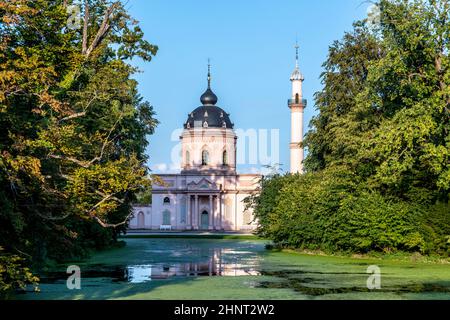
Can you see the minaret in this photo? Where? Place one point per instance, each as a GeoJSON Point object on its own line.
{"type": "Point", "coordinates": [297, 105]}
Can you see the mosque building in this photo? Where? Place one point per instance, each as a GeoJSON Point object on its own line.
{"type": "Point", "coordinates": [208, 193]}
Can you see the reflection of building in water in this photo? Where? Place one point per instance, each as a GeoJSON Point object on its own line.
{"type": "Point", "coordinates": [216, 265]}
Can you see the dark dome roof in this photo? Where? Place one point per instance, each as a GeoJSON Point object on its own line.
{"type": "Point", "coordinates": [214, 117]}
{"type": "Point", "coordinates": [208, 98]}
{"type": "Point", "coordinates": [208, 115]}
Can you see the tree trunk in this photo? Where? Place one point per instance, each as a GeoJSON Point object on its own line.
{"type": "Point", "coordinates": [85, 27]}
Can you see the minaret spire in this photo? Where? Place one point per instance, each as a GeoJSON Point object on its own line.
{"type": "Point", "coordinates": [209, 74]}
{"type": "Point", "coordinates": [297, 75]}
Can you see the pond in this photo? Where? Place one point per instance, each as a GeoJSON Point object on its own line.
{"type": "Point", "coordinates": [237, 269]}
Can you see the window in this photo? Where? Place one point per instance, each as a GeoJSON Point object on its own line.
{"type": "Point", "coordinates": [188, 158]}
{"type": "Point", "coordinates": [297, 98]}
{"type": "Point", "coordinates": [166, 200]}
{"type": "Point", "coordinates": [141, 220]}
{"type": "Point", "coordinates": [166, 218]}
{"type": "Point", "coordinates": [225, 158]}
{"type": "Point", "coordinates": [183, 211]}
{"type": "Point", "coordinates": [205, 158]}
{"type": "Point", "coordinates": [247, 217]}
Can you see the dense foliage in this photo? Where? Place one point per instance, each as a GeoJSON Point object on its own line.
{"type": "Point", "coordinates": [13, 273]}
{"type": "Point", "coordinates": [378, 164]}
{"type": "Point", "coordinates": [73, 129]}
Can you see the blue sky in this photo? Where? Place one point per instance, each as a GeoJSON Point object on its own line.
{"type": "Point", "coordinates": [251, 47]}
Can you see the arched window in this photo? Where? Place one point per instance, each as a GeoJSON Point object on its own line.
{"type": "Point", "coordinates": [166, 200]}
{"type": "Point", "coordinates": [141, 220]}
{"type": "Point", "coordinates": [205, 158]}
{"type": "Point", "coordinates": [297, 98]}
{"type": "Point", "coordinates": [247, 218]}
{"type": "Point", "coordinates": [225, 158]}
{"type": "Point", "coordinates": [188, 158]}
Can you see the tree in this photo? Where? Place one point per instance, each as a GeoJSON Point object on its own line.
{"type": "Point", "coordinates": [13, 274]}
{"type": "Point", "coordinates": [73, 126]}
{"type": "Point", "coordinates": [410, 148]}
{"type": "Point", "coordinates": [335, 135]}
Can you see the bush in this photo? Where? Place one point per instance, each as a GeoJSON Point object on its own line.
{"type": "Point", "coordinates": [370, 222]}
{"type": "Point", "coordinates": [436, 226]}
{"type": "Point", "coordinates": [13, 274]}
{"type": "Point", "coordinates": [332, 210]}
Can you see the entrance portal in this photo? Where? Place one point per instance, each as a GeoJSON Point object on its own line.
{"type": "Point", "coordinates": [204, 220]}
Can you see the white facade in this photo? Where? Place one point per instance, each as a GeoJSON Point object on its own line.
{"type": "Point", "coordinates": [199, 202]}
{"type": "Point", "coordinates": [142, 217]}
{"type": "Point", "coordinates": [215, 141]}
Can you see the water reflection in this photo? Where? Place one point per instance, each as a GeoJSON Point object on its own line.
{"type": "Point", "coordinates": [152, 263]}
{"type": "Point", "coordinates": [213, 262]}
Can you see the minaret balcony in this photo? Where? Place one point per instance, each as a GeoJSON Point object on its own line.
{"type": "Point", "coordinates": [298, 102]}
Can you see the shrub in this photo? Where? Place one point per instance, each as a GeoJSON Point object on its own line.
{"type": "Point", "coordinates": [370, 222]}
{"type": "Point", "coordinates": [332, 210]}
{"type": "Point", "coordinates": [13, 274]}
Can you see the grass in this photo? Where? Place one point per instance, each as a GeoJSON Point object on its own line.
{"type": "Point", "coordinates": [393, 256]}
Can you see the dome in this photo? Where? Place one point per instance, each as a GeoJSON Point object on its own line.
{"type": "Point", "coordinates": [297, 75]}
{"type": "Point", "coordinates": [208, 116]}
{"type": "Point", "coordinates": [208, 98]}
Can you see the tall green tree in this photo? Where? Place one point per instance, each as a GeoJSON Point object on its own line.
{"type": "Point", "coordinates": [73, 126]}
{"type": "Point", "coordinates": [384, 109]}
{"type": "Point", "coordinates": [335, 135]}
{"type": "Point", "coordinates": [409, 150]}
